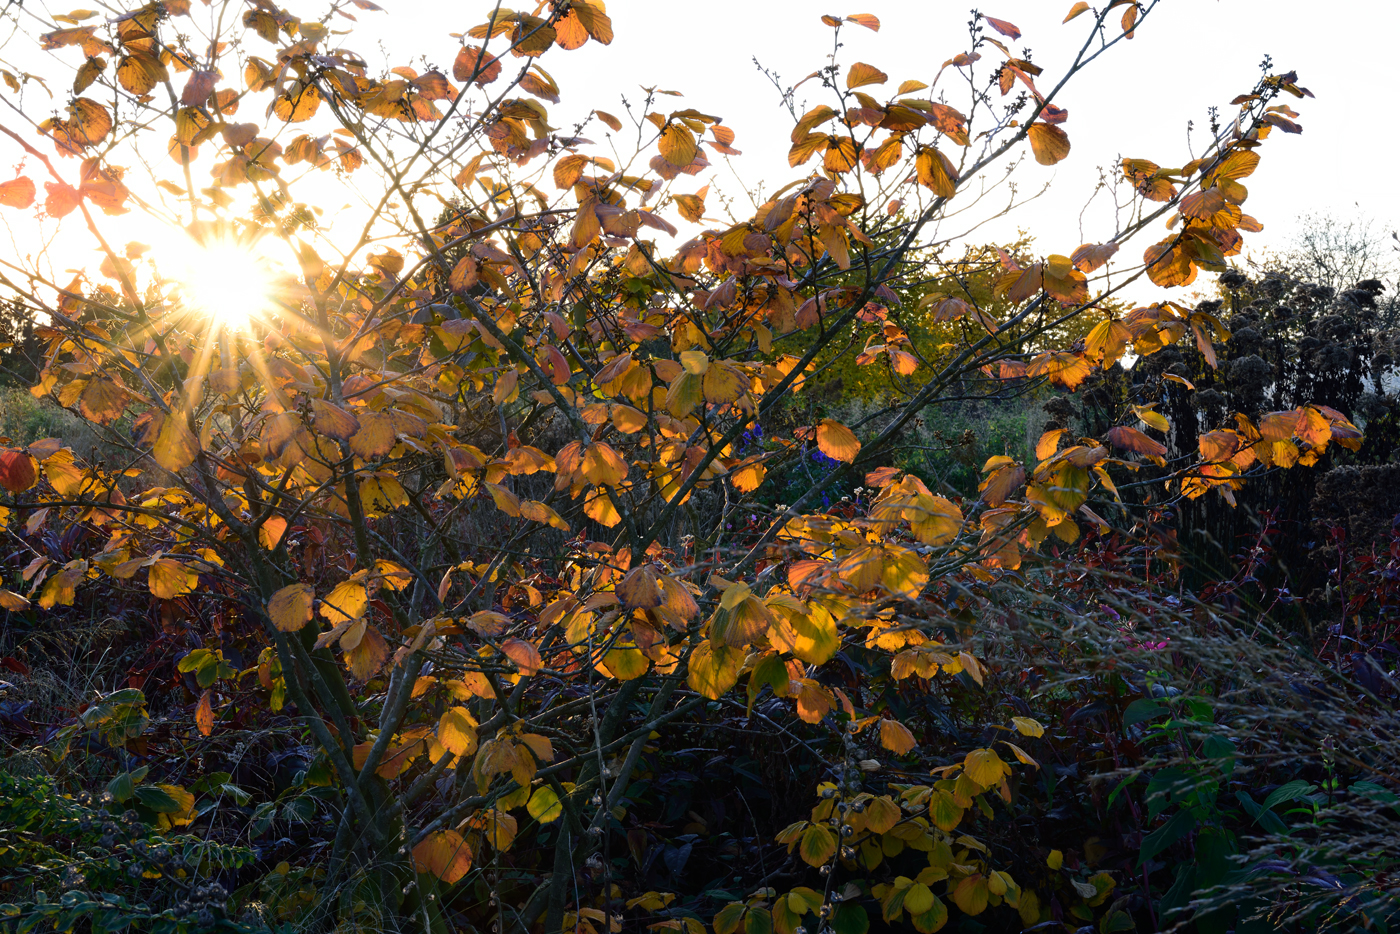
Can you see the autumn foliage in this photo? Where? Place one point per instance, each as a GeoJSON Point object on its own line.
{"type": "Point", "coordinates": [476, 494]}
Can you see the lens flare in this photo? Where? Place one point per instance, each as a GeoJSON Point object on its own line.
{"type": "Point", "coordinates": [228, 280]}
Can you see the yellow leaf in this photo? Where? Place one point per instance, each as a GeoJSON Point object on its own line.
{"type": "Point", "coordinates": [905, 572]}
{"type": "Point", "coordinates": [599, 507]}
{"type": "Point", "coordinates": [985, 767]}
{"type": "Point", "coordinates": [1021, 755]}
{"type": "Point", "coordinates": [1152, 418]}
{"type": "Point", "coordinates": [170, 579]}
{"type": "Point", "coordinates": [457, 731]}
{"type": "Point", "coordinates": [918, 898]}
{"type": "Point", "coordinates": [290, 608]}
{"type": "Point", "coordinates": [971, 894]}
{"type": "Point", "coordinates": [1055, 860]}
{"type": "Point", "coordinates": [176, 446]}
{"type": "Point", "coordinates": [347, 601]}
{"type": "Point", "coordinates": [713, 670]}
{"type": "Point", "coordinates": [1027, 727]}
{"type": "Point", "coordinates": [545, 805]}
{"type": "Point", "coordinates": [936, 173]}
{"type": "Point", "coordinates": [61, 588]}
{"type": "Point", "coordinates": [1075, 10]}
{"type": "Point", "coordinates": [602, 465]}
{"type": "Point", "coordinates": [183, 814]}
{"type": "Point", "coordinates": [818, 845]}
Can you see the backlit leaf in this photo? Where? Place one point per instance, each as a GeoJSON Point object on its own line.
{"type": "Point", "coordinates": [290, 608]}
{"type": "Point", "coordinates": [456, 731]}
{"type": "Point", "coordinates": [18, 471]}
{"type": "Point", "coordinates": [1049, 143]}
{"type": "Point", "coordinates": [837, 441]}
{"type": "Point", "coordinates": [443, 854]}
{"type": "Point", "coordinates": [545, 805]}
{"type": "Point", "coordinates": [204, 714]}
{"type": "Point", "coordinates": [896, 737]}
{"type": "Point", "coordinates": [169, 579]}
{"type": "Point", "coordinates": [176, 446]}
{"type": "Point", "coordinates": [985, 767]}
{"type": "Point", "coordinates": [861, 74]}
{"type": "Point", "coordinates": [524, 654]}
{"type": "Point", "coordinates": [818, 845]}
{"type": "Point", "coordinates": [1130, 439]}
{"type": "Point", "coordinates": [1003, 27]}
{"type": "Point", "coordinates": [17, 193]}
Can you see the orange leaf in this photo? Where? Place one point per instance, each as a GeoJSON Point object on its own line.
{"type": "Point", "coordinates": [936, 172]}
{"type": "Point", "coordinates": [837, 441]}
{"type": "Point", "coordinates": [639, 589]}
{"type": "Point", "coordinates": [896, 737]}
{"type": "Point", "coordinates": [1075, 10]}
{"type": "Point", "coordinates": [602, 465]}
{"type": "Point", "coordinates": [18, 471]}
{"type": "Point", "coordinates": [868, 20]}
{"type": "Point", "coordinates": [524, 654]}
{"type": "Point", "coordinates": [1091, 256]}
{"type": "Point", "coordinates": [17, 193]}
{"type": "Point", "coordinates": [464, 275]}
{"type": "Point", "coordinates": [444, 854]}
{"type": "Point", "coordinates": [1049, 143]}
{"type": "Point", "coordinates": [862, 74]}
{"type": "Point", "coordinates": [1130, 439]}
{"type": "Point", "coordinates": [204, 714]}
{"type": "Point", "coordinates": [473, 64]}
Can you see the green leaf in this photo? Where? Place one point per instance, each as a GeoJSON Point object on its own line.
{"type": "Point", "coordinates": [1142, 710]}
{"type": "Point", "coordinates": [1289, 792]}
{"type": "Point", "coordinates": [850, 918]}
{"type": "Point", "coordinates": [208, 672]}
{"type": "Point", "coordinates": [121, 787]}
{"type": "Point", "coordinates": [1181, 823]}
{"type": "Point", "coordinates": [193, 661]}
{"type": "Point", "coordinates": [1375, 793]}
{"type": "Point", "coordinates": [157, 799]}
{"type": "Point", "coordinates": [758, 921]}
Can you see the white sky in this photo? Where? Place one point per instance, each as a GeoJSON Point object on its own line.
{"type": "Point", "coordinates": [1135, 101]}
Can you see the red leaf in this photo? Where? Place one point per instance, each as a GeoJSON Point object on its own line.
{"type": "Point", "coordinates": [1003, 27]}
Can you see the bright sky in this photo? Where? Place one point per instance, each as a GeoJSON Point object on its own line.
{"type": "Point", "coordinates": [1135, 101]}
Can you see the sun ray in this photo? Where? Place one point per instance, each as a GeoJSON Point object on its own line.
{"type": "Point", "coordinates": [224, 277]}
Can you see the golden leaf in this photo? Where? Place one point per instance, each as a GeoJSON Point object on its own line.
{"type": "Point", "coordinates": [290, 608]}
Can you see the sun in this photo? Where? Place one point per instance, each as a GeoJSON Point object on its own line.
{"type": "Point", "coordinates": [229, 280]}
